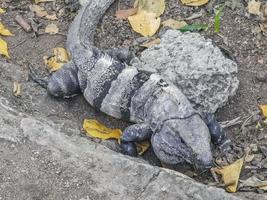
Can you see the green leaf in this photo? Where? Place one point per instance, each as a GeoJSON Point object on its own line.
{"type": "Point", "coordinates": [194, 27]}
{"type": "Point", "coordinates": [217, 22]}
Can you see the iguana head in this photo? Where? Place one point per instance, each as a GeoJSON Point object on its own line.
{"type": "Point", "coordinates": [182, 140]}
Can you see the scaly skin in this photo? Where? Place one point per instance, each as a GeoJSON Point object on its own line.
{"type": "Point", "coordinates": [159, 109]}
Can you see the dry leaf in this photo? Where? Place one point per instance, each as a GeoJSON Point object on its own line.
{"type": "Point", "coordinates": [254, 182]}
{"type": "Point", "coordinates": [230, 174]}
{"type": "Point", "coordinates": [145, 23]}
{"type": "Point", "coordinates": [254, 7]}
{"type": "Point", "coordinates": [150, 43]}
{"type": "Point", "coordinates": [51, 17]}
{"type": "Point", "coordinates": [61, 54]}
{"type": "Point", "coordinates": [194, 2]}
{"type": "Point", "coordinates": [51, 29]}
{"type": "Point", "coordinates": [3, 48]}
{"type": "Point", "coordinates": [4, 31]}
{"type": "Point", "coordinates": [2, 11]}
{"type": "Point", "coordinates": [43, 1]}
{"type": "Point", "coordinates": [263, 109]}
{"type": "Point", "coordinates": [16, 88]}
{"type": "Point", "coordinates": [142, 147]}
{"type": "Point", "coordinates": [97, 130]}
{"type": "Point", "coordinates": [56, 61]}
{"type": "Point", "coordinates": [38, 10]}
{"type": "Point", "coordinates": [152, 6]}
{"type": "Point", "coordinates": [124, 14]}
{"type": "Point", "coordinates": [174, 24]}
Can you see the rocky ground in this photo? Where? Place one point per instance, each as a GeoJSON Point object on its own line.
{"type": "Point", "coordinates": [22, 156]}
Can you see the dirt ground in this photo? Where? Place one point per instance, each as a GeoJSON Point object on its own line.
{"type": "Point", "coordinates": [239, 37]}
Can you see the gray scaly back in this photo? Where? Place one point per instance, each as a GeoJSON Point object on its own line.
{"type": "Point", "coordinates": [159, 109]}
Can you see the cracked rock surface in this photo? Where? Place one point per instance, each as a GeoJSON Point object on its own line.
{"type": "Point", "coordinates": [44, 156]}
{"type": "Point", "coordinates": [197, 67]}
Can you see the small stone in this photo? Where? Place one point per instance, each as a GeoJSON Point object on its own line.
{"type": "Point", "coordinates": [261, 76]}
{"type": "Point", "coordinates": [254, 148]}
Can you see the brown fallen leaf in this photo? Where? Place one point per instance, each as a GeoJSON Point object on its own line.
{"type": "Point", "coordinates": [38, 10]}
{"type": "Point", "coordinates": [230, 174]}
{"type": "Point", "coordinates": [3, 48]}
{"type": "Point", "coordinates": [263, 109]}
{"type": "Point", "coordinates": [124, 14]}
{"type": "Point", "coordinates": [2, 11]}
{"type": "Point", "coordinates": [145, 23]}
{"type": "Point", "coordinates": [174, 24]}
{"type": "Point", "coordinates": [51, 29]}
{"type": "Point", "coordinates": [16, 89]}
{"type": "Point", "coordinates": [194, 2]}
{"type": "Point", "coordinates": [254, 7]}
{"type": "Point", "coordinates": [56, 61]}
{"type": "Point", "coordinates": [4, 31]}
{"type": "Point", "coordinates": [152, 6]}
{"type": "Point", "coordinates": [97, 130]}
{"type": "Point", "coordinates": [150, 43]}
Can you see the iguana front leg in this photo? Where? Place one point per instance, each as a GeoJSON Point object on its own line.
{"type": "Point", "coordinates": [132, 134]}
{"type": "Point", "coordinates": [218, 136]}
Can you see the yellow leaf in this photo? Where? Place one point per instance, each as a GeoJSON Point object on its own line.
{"type": "Point", "coordinates": [51, 29]}
{"type": "Point", "coordinates": [16, 88]}
{"type": "Point", "coordinates": [150, 43]}
{"type": "Point", "coordinates": [263, 110]}
{"type": "Point", "coordinates": [174, 24]}
{"type": "Point", "coordinates": [145, 23]}
{"type": "Point", "coordinates": [2, 11]}
{"type": "Point", "coordinates": [230, 174]}
{"type": "Point", "coordinates": [254, 7]}
{"type": "Point", "coordinates": [4, 31]}
{"type": "Point", "coordinates": [194, 2]}
{"type": "Point", "coordinates": [152, 6]}
{"type": "Point", "coordinates": [56, 61]}
{"type": "Point", "coordinates": [3, 48]}
{"type": "Point", "coordinates": [97, 130]}
{"type": "Point", "coordinates": [142, 147]}
{"type": "Point", "coordinates": [61, 54]}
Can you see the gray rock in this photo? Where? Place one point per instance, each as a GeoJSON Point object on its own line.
{"type": "Point", "coordinates": [197, 67]}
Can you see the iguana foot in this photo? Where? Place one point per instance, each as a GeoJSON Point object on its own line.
{"type": "Point", "coordinates": [134, 133]}
{"type": "Point", "coordinates": [218, 136]}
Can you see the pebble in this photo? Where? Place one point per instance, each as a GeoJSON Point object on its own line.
{"type": "Point", "coordinates": [261, 76]}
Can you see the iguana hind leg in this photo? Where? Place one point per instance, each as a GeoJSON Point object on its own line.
{"type": "Point", "coordinates": [132, 134]}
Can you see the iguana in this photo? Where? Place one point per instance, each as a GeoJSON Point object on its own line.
{"type": "Point", "coordinates": [160, 111]}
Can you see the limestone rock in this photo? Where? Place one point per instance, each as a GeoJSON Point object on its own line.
{"type": "Point", "coordinates": [195, 65]}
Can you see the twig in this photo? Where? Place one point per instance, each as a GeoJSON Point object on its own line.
{"type": "Point", "coordinates": [20, 43]}
{"type": "Point", "coordinates": [195, 15]}
{"type": "Point", "coordinates": [229, 123]}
